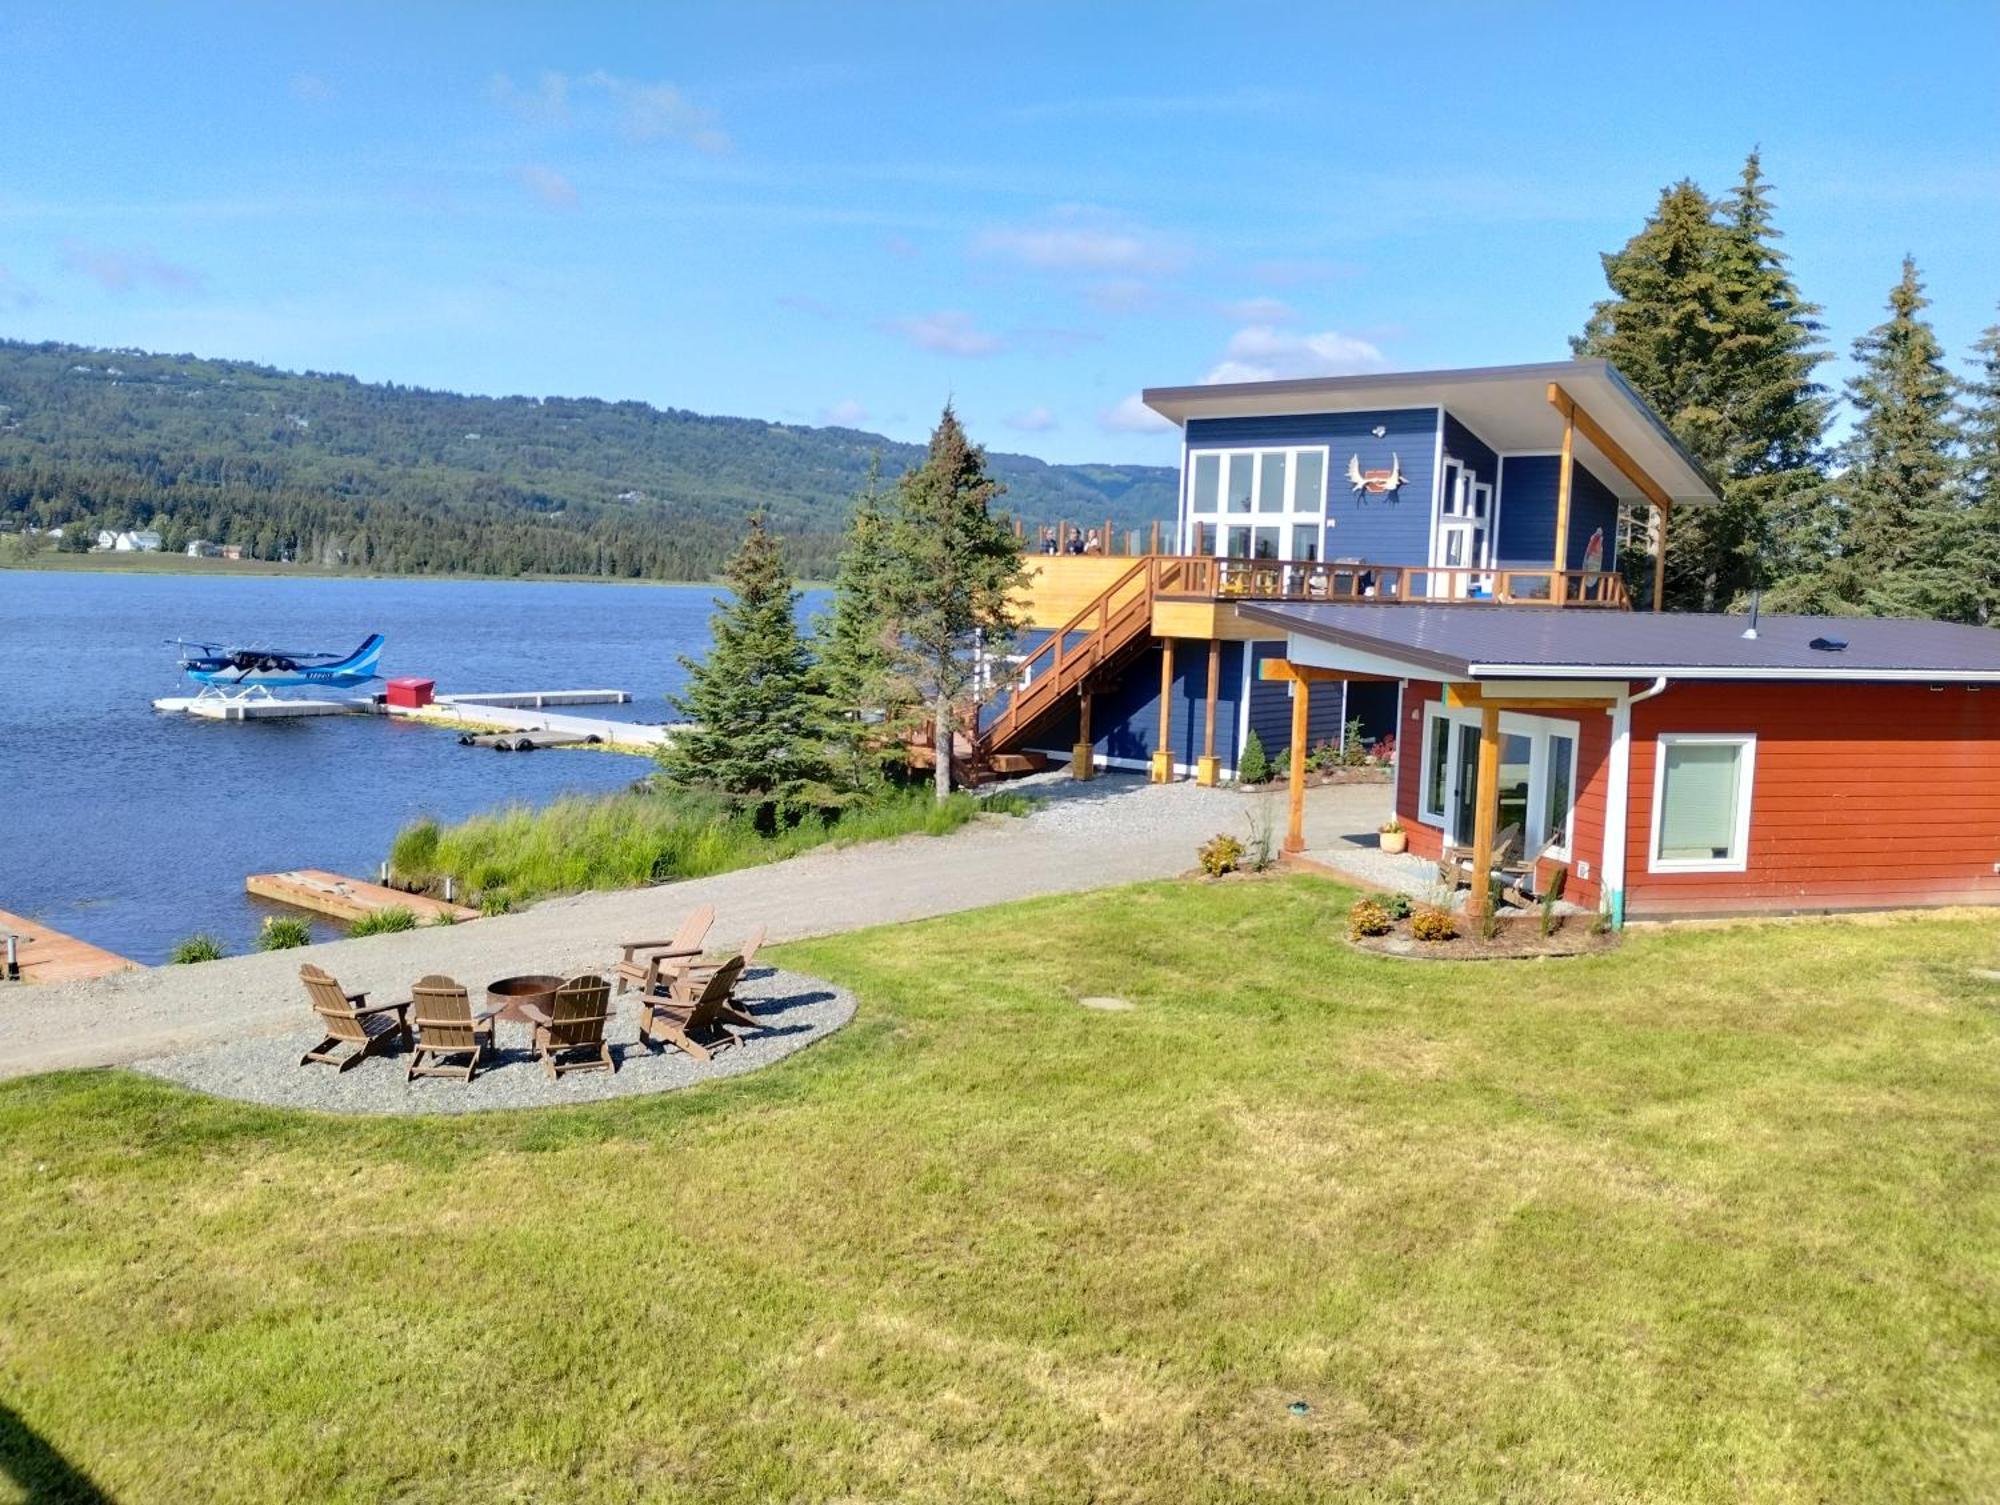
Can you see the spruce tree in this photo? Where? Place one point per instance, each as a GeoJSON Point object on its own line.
{"type": "Point", "coordinates": [1707, 324]}
{"type": "Point", "coordinates": [951, 569]}
{"type": "Point", "coordinates": [1901, 520]}
{"type": "Point", "coordinates": [759, 717]}
{"type": "Point", "coordinates": [1981, 547]}
{"type": "Point", "coordinates": [856, 646]}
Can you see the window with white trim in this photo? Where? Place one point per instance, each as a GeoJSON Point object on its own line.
{"type": "Point", "coordinates": [1257, 503]}
{"type": "Point", "coordinates": [1701, 802]}
{"type": "Point", "coordinates": [1537, 776]}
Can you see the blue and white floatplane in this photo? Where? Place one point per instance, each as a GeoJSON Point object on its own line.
{"type": "Point", "coordinates": [232, 672]}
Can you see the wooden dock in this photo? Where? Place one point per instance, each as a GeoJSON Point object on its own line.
{"type": "Point", "coordinates": [539, 699]}
{"type": "Point", "coordinates": [50, 956]}
{"type": "Point", "coordinates": [632, 736]}
{"type": "Point", "coordinates": [218, 708]}
{"type": "Point", "coordinates": [346, 898]}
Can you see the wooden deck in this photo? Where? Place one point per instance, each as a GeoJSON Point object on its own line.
{"type": "Point", "coordinates": [50, 956]}
{"type": "Point", "coordinates": [346, 898]}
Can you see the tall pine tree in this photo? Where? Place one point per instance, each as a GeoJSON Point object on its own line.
{"type": "Point", "coordinates": [1901, 518]}
{"type": "Point", "coordinates": [856, 644]}
{"type": "Point", "coordinates": [951, 569]}
{"type": "Point", "coordinates": [1982, 477]}
{"type": "Point", "coordinates": [1705, 321]}
{"type": "Point", "coordinates": [759, 715]}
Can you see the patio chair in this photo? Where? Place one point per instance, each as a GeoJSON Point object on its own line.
{"type": "Point", "coordinates": [676, 974]}
{"type": "Point", "coordinates": [569, 1033]}
{"type": "Point", "coordinates": [447, 1030]}
{"type": "Point", "coordinates": [694, 1020]}
{"type": "Point", "coordinates": [1455, 862]}
{"type": "Point", "coordinates": [634, 967]}
{"type": "Point", "coordinates": [350, 1022]}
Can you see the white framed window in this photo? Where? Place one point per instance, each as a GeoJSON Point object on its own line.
{"type": "Point", "coordinates": [1701, 802]}
{"type": "Point", "coordinates": [1257, 503]}
{"type": "Point", "coordinates": [1432, 793]}
{"type": "Point", "coordinates": [1538, 776]}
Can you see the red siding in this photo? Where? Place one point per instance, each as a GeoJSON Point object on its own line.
{"type": "Point", "coordinates": [1865, 796]}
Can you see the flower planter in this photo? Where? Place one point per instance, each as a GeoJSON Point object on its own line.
{"type": "Point", "coordinates": [1394, 841]}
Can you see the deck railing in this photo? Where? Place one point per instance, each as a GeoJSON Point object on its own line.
{"type": "Point", "coordinates": [1210, 579]}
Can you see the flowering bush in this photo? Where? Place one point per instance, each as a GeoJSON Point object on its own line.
{"type": "Point", "coordinates": [1219, 855]}
{"type": "Point", "coordinates": [1433, 922]}
{"type": "Point", "coordinates": [1369, 916]}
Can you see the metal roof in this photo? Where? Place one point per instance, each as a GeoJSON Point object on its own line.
{"type": "Point", "coordinates": [1540, 642]}
{"type": "Point", "coordinates": [1507, 406]}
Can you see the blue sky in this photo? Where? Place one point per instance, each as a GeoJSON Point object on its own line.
{"type": "Point", "coordinates": [847, 213]}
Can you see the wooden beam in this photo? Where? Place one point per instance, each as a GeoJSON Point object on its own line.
{"type": "Point", "coordinates": [1163, 750]}
{"type": "Point", "coordinates": [1660, 561]}
{"type": "Point", "coordinates": [1207, 771]}
{"type": "Point", "coordinates": [1565, 483]}
{"type": "Point", "coordinates": [1473, 698]}
{"type": "Point", "coordinates": [1295, 828]}
{"type": "Point", "coordinates": [1607, 446]}
{"type": "Point", "coordinates": [1083, 757]}
{"type": "Point", "coordinates": [1279, 668]}
{"type": "Point", "coordinates": [1485, 812]}
{"type": "Point", "coordinates": [1156, 537]}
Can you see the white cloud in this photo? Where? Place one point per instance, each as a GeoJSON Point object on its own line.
{"type": "Point", "coordinates": [120, 271]}
{"type": "Point", "coordinates": [1263, 352]}
{"type": "Point", "coordinates": [311, 89]}
{"type": "Point", "coordinates": [641, 111]}
{"type": "Point", "coordinates": [847, 413]}
{"type": "Point", "coordinates": [1034, 421]}
{"type": "Point", "coordinates": [1131, 416]}
{"type": "Point", "coordinates": [947, 333]}
{"type": "Point", "coordinates": [1080, 238]}
{"type": "Point", "coordinates": [548, 185]}
{"type": "Point", "coordinates": [1260, 311]}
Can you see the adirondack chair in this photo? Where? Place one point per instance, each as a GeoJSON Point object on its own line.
{"type": "Point", "coordinates": [634, 968]}
{"type": "Point", "coordinates": [1455, 863]}
{"type": "Point", "coordinates": [451, 1039]}
{"type": "Point", "coordinates": [694, 1020]}
{"type": "Point", "coordinates": [677, 974]}
{"type": "Point", "coordinates": [569, 1034]}
{"type": "Point", "coordinates": [350, 1021]}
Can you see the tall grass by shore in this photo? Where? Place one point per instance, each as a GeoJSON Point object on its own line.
{"type": "Point", "coordinates": [624, 840]}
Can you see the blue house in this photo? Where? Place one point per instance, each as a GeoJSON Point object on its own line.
{"type": "Point", "coordinates": [1497, 485]}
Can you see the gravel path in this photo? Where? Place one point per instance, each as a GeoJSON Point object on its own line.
{"type": "Point", "coordinates": [1114, 829]}
{"type": "Point", "coordinates": [795, 1012]}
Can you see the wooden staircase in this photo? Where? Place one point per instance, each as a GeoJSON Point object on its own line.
{"type": "Point", "coordinates": [1116, 627]}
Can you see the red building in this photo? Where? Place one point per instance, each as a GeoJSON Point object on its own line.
{"type": "Point", "coordinates": [1689, 764]}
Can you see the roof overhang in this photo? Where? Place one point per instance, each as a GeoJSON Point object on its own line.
{"type": "Point", "coordinates": [1507, 406]}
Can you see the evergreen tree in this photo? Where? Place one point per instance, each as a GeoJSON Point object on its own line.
{"type": "Point", "coordinates": [1902, 522]}
{"type": "Point", "coordinates": [1706, 323]}
{"type": "Point", "coordinates": [855, 642]}
{"type": "Point", "coordinates": [951, 569]}
{"type": "Point", "coordinates": [1981, 547]}
{"type": "Point", "coordinates": [760, 722]}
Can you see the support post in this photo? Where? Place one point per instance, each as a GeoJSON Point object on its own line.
{"type": "Point", "coordinates": [1206, 770]}
{"type": "Point", "coordinates": [1660, 561]}
{"type": "Point", "coordinates": [1485, 812]}
{"type": "Point", "coordinates": [1083, 757]}
{"type": "Point", "coordinates": [1163, 750]}
{"type": "Point", "coordinates": [1558, 591]}
{"type": "Point", "coordinates": [1295, 828]}
{"type": "Point", "coordinates": [1156, 536]}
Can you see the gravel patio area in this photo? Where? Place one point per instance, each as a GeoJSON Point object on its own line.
{"type": "Point", "coordinates": [794, 1012]}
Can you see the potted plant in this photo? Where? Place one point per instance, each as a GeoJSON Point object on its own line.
{"type": "Point", "coordinates": [1394, 837]}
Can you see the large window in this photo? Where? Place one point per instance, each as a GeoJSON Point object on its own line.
{"type": "Point", "coordinates": [1279, 495]}
{"type": "Point", "coordinates": [1701, 803]}
{"type": "Point", "coordinates": [1537, 777]}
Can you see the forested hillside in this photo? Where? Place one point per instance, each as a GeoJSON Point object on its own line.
{"type": "Point", "coordinates": [336, 472]}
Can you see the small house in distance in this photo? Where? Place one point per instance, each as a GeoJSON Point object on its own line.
{"type": "Point", "coordinates": [1436, 555]}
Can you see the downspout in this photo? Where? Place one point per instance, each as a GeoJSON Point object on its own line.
{"type": "Point", "coordinates": [1617, 800]}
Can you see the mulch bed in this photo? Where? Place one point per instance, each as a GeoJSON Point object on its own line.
{"type": "Point", "coordinates": [1518, 938]}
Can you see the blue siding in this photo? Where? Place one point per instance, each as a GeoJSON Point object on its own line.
{"type": "Point", "coordinates": [1125, 720]}
{"type": "Point", "coordinates": [1528, 487]}
{"type": "Point", "coordinates": [1271, 706]}
{"type": "Point", "coordinates": [1466, 447]}
{"type": "Point", "coordinates": [1378, 529]}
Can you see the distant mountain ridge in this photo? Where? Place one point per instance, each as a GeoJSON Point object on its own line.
{"type": "Point", "coordinates": [333, 471]}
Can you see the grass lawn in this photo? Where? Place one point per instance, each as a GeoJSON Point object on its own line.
{"type": "Point", "coordinates": [1716, 1217]}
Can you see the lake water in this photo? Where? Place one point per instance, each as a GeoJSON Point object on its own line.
{"type": "Point", "coordinates": [133, 829]}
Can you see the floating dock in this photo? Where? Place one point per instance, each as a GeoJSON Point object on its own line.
{"type": "Point", "coordinates": [346, 898]}
{"type": "Point", "coordinates": [512, 713]}
{"type": "Point", "coordinates": [541, 699]}
{"type": "Point", "coordinates": [485, 716]}
{"type": "Point", "coordinates": [219, 708]}
{"type": "Point", "coordinates": [47, 955]}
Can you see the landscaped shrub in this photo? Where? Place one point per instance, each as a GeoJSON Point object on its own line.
{"type": "Point", "coordinates": [1254, 767]}
{"type": "Point", "coordinates": [1433, 922]}
{"type": "Point", "coordinates": [1281, 765]}
{"type": "Point", "coordinates": [201, 947]}
{"type": "Point", "coordinates": [1398, 905]}
{"type": "Point", "coordinates": [1324, 756]}
{"type": "Point", "coordinates": [384, 921]}
{"type": "Point", "coordinates": [283, 932]}
{"type": "Point", "coordinates": [495, 902]}
{"type": "Point", "coordinates": [445, 917]}
{"type": "Point", "coordinates": [1353, 751]}
{"type": "Point", "coordinates": [1369, 916]}
{"type": "Point", "coordinates": [1219, 855]}
{"type": "Point", "coordinates": [1550, 897]}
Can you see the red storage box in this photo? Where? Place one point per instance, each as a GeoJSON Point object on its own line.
{"type": "Point", "coordinates": [411, 693]}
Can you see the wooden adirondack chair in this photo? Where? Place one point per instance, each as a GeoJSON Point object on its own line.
{"type": "Point", "coordinates": [350, 1021]}
{"type": "Point", "coordinates": [678, 974]}
{"type": "Point", "coordinates": [686, 944]}
{"type": "Point", "coordinates": [451, 1039]}
{"type": "Point", "coordinates": [569, 1034]}
{"type": "Point", "coordinates": [693, 1020]}
{"type": "Point", "coordinates": [1455, 863]}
